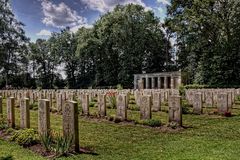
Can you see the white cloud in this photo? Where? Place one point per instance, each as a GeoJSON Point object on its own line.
{"type": "Point", "coordinates": [44, 32]}
{"type": "Point", "coordinates": [108, 5]}
{"type": "Point", "coordinates": [60, 15]}
{"type": "Point", "coordinates": [165, 2]}
{"type": "Point", "coordinates": [75, 28]}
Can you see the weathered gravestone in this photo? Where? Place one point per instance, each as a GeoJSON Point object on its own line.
{"type": "Point", "coordinates": [85, 104]}
{"type": "Point", "coordinates": [102, 105]}
{"type": "Point", "coordinates": [43, 116]}
{"type": "Point", "coordinates": [175, 110]}
{"type": "Point", "coordinates": [209, 98]}
{"type": "Point", "coordinates": [1, 110]}
{"type": "Point", "coordinates": [70, 123]}
{"type": "Point", "coordinates": [145, 107]}
{"type": "Point", "coordinates": [222, 103]}
{"type": "Point", "coordinates": [137, 97]}
{"type": "Point", "coordinates": [11, 112]}
{"type": "Point", "coordinates": [230, 101]}
{"type": "Point", "coordinates": [24, 113]}
{"type": "Point", "coordinates": [197, 103]}
{"type": "Point", "coordinates": [122, 107]}
{"type": "Point", "coordinates": [156, 101]}
{"type": "Point", "coordinates": [59, 102]}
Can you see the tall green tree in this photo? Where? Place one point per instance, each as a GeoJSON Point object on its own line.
{"type": "Point", "coordinates": [131, 41]}
{"type": "Point", "coordinates": [12, 44]}
{"type": "Point", "coordinates": [207, 39]}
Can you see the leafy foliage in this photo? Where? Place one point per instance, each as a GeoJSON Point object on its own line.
{"type": "Point", "coordinates": [25, 137]}
{"type": "Point", "coordinates": [207, 38]}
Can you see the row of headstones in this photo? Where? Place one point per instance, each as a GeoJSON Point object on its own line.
{"type": "Point", "coordinates": [70, 114]}
{"type": "Point", "coordinates": [70, 117]}
{"type": "Point", "coordinates": [223, 99]}
{"type": "Point", "coordinates": [61, 96]}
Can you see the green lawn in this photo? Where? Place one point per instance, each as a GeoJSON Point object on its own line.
{"type": "Point", "coordinates": [208, 137]}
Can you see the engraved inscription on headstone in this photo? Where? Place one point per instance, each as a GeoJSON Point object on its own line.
{"type": "Point", "coordinates": [70, 123]}
{"type": "Point", "coordinates": [122, 107]}
{"type": "Point", "coordinates": [145, 107]}
{"type": "Point", "coordinates": [24, 113]}
{"type": "Point", "coordinates": [11, 112]}
{"type": "Point", "coordinates": [175, 110]}
{"type": "Point", "coordinates": [102, 105]}
{"type": "Point", "coordinates": [43, 116]}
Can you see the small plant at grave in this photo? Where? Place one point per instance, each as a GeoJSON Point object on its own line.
{"type": "Point", "coordinates": [152, 123]}
{"type": "Point", "coordinates": [25, 137]}
{"type": "Point", "coordinates": [227, 114]}
{"type": "Point", "coordinates": [182, 90]}
{"type": "Point", "coordinates": [185, 106]}
{"type": "Point", "coordinates": [238, 98]}
{"type": "Point", "coordinates": [46, 140]}
{"type": "Point", "coordinates": [111, 96]}
{"type": "Point", "coordinates": [119, 87]}
{"type": "Point", "coordinates": [133, 107]}
{"type": "Point", "coordinates": [132, 101]}
{"type": "Point", "coordinates": [3, 122]}
{"type": "Point", "coordinates": [92, 104]}
{"type": "Point", "coordinates": [173, 125]}
{"type": "Point", "coordinates": [165, 103]}
{"type": "Point", "coordinates": [62, 145]}
{"type": "Point", "coordinates": [34, 106]}
{"type": "Point", "coordinates": [57, 143]}
{"type": "Point", "coordinates": [10, 130]}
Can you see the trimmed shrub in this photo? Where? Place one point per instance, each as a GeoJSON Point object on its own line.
{"type": "Point", "coordinates": [25, 137]}
{"type": "Point", "coordinates": [152, 123]}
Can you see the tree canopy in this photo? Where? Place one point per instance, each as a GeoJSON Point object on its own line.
{"type": "Point", "coordinates": [128, 40]}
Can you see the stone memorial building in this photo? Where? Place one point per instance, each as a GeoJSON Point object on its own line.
{"type": "Point", "coordinates": [164, 80]}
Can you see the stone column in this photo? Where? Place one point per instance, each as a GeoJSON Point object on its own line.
{"type": "Point", "coordinates": [156, 101]}
{"type": "Point", "coordinates": [85, 104]}
{"type": "Point", "coordinates": [43, 116]}
{"type": "Point", "coordinates": [140, 84]}
{"type": "Point", "coordinates": [102, 105]}
{"type": "Point", "coordinates": [122, 107]}
{"type": "Point", "coordinates": [175, 110]}
{"type": "Point", "coordinates": [153, 83]}
{"type": "Point", "coordinates": [222, 103]}
{"type": "Point", "coordinates": [24, 113]}
{"type": "Point", "coordinates": [159, 82]}
{"type": "Point", "coordinates": [172, 82]}
{"type": "Point", "coordinates": [70, 123]}
{"type": "Point", "coordinates": [135, 82]}
{"type": "Point", "coordinates": [11, 112]}
{"type": "Point", "coordinates": [145, 107]}
{"type": "Point", "coordinates": [197, 103]}
{"type": "Point", "coordinates": [165, 82]}
{"type": "Point", "coordinates": [1, 110]}
{"type": "Point", "coordinates": [179, 82]}
{"type": "Point", "coordinates": [147, 82]}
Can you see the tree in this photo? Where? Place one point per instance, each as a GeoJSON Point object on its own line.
{"type": "Point", "coordinates": [131, 41]}
{"type": "Point", "coordinates": [207, 39]}
{"type": "Point", "coordinates": [12, 44]}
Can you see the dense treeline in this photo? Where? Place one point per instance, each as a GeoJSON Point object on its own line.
{"type": "Point", "coordinates": [207, 35]}
{"type": "Point", "coordinates": [126, 41]}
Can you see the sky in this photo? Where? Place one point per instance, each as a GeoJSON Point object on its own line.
{"type": "Point", "coordinates": [41, 17]}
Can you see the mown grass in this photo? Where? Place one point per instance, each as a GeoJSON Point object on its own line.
{"type": "Point", "coordinates": [206, 137]}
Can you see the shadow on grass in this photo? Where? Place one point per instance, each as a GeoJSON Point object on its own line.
{"type": "Point", "coordinates": [88, 150]}
{"type": "Point", "coordinates": [8, 157]}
